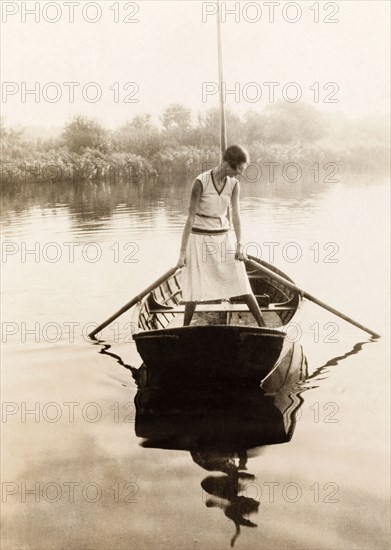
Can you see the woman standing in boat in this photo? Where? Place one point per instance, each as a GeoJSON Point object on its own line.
{"type": "Point", "coordinates": [213, 267]}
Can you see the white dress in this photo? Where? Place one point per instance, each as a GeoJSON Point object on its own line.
{"type": "Point", "coordinates": [211, 271]}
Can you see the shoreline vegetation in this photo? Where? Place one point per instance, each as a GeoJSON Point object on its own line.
{"type": "Point", "coordinates": [297, 138]}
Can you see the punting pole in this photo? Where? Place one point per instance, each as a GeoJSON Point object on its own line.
{"type": "Point", "coordinates": [134, 301]}
{"type": "Point", "coordinates": [305, 294]}
{"type": "Point", "coordinates": [223, 130]}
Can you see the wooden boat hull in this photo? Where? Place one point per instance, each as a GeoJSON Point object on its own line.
{"type": "Point", "coordinates": [200, 354]}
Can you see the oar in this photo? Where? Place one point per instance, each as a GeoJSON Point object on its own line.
{"type": "Point", "coordinates": [134, 301]}
{"type": "Point", "coordinates": [287, 283]}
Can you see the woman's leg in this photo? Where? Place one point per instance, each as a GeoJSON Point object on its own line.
{"type": "Point", "coordinates": [189, 312]}
{"type": "Point", "coordinates": [253, 306]}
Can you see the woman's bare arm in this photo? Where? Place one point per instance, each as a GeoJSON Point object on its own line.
{"type": "Point", "coordinates": [236, 219]}
{"type": "Point", "coordinates": [194, 201]}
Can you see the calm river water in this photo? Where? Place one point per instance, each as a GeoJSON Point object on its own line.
{"type": "Point", "coordinates": [75, 475]}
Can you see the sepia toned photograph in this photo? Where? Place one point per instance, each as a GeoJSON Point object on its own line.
{"type": "Point", "coordinates": [195, 275]}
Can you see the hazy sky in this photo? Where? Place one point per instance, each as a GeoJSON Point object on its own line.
{"type": "Point", "coordinates": [171, 51]}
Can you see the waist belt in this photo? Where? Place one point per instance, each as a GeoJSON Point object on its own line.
{"type": "Point", "coordinates": [206, 216]}
{"type": "Point", "coordinates": [198, 231]}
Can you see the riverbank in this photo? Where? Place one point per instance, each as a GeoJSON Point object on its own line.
{"type": "Point", "coordinates": [285, 141]}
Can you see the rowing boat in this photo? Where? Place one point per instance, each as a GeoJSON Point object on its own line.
{"type": "Point", "coordinates": [223, 342]}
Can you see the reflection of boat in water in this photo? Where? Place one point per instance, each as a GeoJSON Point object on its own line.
{"type": "Point", "coordinates": [232, 418]}
{"type": "Point", "coordinates": [221, 335]}
{"type": "Point", "coordinates": [218, 432]}
{"type": "Point", "coordinates": [218, 426]}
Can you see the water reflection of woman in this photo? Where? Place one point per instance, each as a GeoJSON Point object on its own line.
{"type": "Point", "coordinates": [225, 490]}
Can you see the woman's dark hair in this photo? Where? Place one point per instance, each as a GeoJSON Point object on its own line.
{"type": "Point", "coordinates": [236, 155]}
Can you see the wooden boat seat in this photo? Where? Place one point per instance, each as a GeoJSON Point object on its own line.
{"type": "Point", "coordinates": [223, 307]}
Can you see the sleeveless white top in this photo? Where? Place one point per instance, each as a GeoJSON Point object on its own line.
{"type": "Point", "coordinates": [213, 206]}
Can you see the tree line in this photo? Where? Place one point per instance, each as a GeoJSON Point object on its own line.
{"type": "Point", "coordinates": [182, 143]}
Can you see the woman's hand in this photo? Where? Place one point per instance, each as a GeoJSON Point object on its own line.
{"type": "Point", "coordinates": [182, 259]}
{"type": "Point", "coordinates": [239, 255]}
